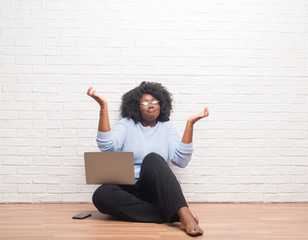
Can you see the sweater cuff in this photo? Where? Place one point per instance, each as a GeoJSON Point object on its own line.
{"type": "Point", "coordinates": [103, 135]}
{"type": "Point", "coordinates": [187, 147]}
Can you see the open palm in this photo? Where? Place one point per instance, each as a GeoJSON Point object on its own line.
{"type": "Point", "coordinates": [199, 116]}
{"type": "Point", "coordinates": [101, 101]}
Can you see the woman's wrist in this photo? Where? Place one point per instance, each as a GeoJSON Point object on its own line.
{"type": "Point", "coordinates": [103, 111]}
{"type": "Point", "coordinates": [104, 108]}
{"type": "Point", "coordinates": [190, 122]}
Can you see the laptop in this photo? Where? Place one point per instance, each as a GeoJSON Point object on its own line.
{"type": "Point", "coordinates": [109, 168]}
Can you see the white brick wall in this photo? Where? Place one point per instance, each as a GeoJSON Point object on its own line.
{"type": "Point", "coordinates": [247, 60]}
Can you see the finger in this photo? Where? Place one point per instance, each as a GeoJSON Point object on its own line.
{"type": "Point", "coordinates": [89, 91]}
{"type": "Point", "coordinates": [206, 111]}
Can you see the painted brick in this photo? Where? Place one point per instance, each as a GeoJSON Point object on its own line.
{"type": "Point", "coordinates": [245, 60]}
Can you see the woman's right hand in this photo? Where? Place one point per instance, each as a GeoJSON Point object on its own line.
{"type": "Point", "coordinates": [104, 124]}
{"type": "Point", "coordinates": [101, 101]}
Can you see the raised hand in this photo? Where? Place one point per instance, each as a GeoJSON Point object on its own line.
{"type": "Point", "coordinates": [101, 101]}
{"type": "Point", "coordinates": [103, 124]}
{"type": "Point", "coordinates": [199, 116]}
{"type": "Point", "coordinates": [188, 133]}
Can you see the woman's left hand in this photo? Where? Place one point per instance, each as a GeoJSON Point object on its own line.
{"type": "Point", "coordinates": [193, 119]}
{"type": "Point", "coordinates": [188, 133]}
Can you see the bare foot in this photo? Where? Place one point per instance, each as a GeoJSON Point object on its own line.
{"type": "Point", "coordinates": [189, 222]}
{"type": "Point", "coordinates": [195, 217]}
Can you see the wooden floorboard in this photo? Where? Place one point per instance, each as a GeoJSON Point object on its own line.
{"type": "Point", "coordinates": [220, 222]}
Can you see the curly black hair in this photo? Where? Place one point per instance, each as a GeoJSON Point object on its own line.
{"type": "Point", "coordinates": [130, 101]}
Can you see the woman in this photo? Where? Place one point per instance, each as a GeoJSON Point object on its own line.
{"type": "Point", "coordinates": [146, 131]}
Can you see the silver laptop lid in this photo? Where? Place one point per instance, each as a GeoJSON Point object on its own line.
{"type": "Point", "coordinates": [109, 168]}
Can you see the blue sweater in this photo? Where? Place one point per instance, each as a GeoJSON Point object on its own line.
{"type": "Point", "coordinates": [163, 139]}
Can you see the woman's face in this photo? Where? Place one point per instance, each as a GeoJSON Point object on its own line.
{"type": "Point", "coordinates": [150, 112]}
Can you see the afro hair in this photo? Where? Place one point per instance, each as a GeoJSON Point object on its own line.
{"type": "Point", "coordinates": [130, 101]}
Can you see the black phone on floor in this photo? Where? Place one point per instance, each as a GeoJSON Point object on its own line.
{"type": "Point", "coordinates": [82, 216]}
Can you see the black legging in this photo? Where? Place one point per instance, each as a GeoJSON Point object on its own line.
{"type": "Point", "coordinates": [156, 196]}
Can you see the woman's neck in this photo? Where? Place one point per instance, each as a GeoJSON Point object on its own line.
{"type": "Point", "coordinates": [148, 123]}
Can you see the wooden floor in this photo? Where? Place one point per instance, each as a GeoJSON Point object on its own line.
{"type": "Point", "coordinates": [220, 221]}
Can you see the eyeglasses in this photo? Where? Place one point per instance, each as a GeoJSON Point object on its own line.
{"type": "Point", "coordinates": [147, 103]}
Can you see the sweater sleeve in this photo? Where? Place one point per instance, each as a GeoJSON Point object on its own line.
{"type": "Point", "coordinates": [179, 153]}
{"type": "Point", "coordinates": [113, 140]}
